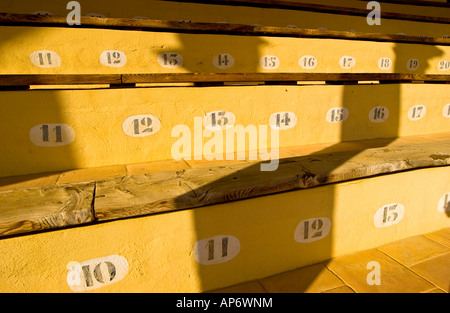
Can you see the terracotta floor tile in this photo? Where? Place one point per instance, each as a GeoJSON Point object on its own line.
{"type": "Point", "coordinates": [441, 236]}
{"type": "Point", "coordinates": [310, 279]}
{"type": "Point", "coordinates": [249, 287]}
{"type": "Point", "coordinates": [435, 270]}
{"type": "Point", "coordinates": [435, 291]}
{"type": "Point", "coordinates": [394, 277]}
{"type": "Point", "coordinates": [412, 250]}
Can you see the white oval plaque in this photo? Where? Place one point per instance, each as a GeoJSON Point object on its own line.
{"type": "Point", "coordinates": [218, 120]}
{"type": "Point", "coordinates": [444, 203]}
{"type": "Point", "coordinates": [45, 59]}
{"type": "Point", "coordinates": [96, 273]}
{"type": "Point", "coordinates": [336, 115]}
{"type": "Point", "coordinates": [141, 125]}
{"type": "Point", "coordinates": [170, 60]}
{"type": "Point", "coordinates": [52, 135]}
{"type": "Point", "coordinates": [312, 229]}
{"type": "Point", "coordinates": [389, 214]}
{"type": "Point", "coordinates": [113, 58]}
{"type": "Point", "coordinates": [282, 120]}
{"type": "Point", "coordinates": [217, 249]}
{"type": "Point", "coordinates": [378, 114]}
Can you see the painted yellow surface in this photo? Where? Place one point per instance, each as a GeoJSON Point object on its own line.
{"type": "Point", "coordinates": [96, 118]}
{"type": "Point", "coordinates": [173, 11]}
{"type": "Point", "coordinates": [54, 130]}
{"type": "Point", "coordinates": [51, 50]}
{"type": "Point", "coordinates": [159, 249]}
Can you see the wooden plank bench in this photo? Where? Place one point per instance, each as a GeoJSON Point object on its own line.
{"type": "Point", "coordinates": [86, 201]}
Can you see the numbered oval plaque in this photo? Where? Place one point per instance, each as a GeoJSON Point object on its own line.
{"type": "Point", "coordinates": [170, 60]}
{"type": "Point", "coordinates": [269, 62]}
{"type": "Point", "coordinates": [223, 61]}
{"type": "Point", "coordinates": [113, 58]}
{"type": "Point", "coordinates": [52, 135]}
{"type": "Point", "coordinates": [378, 114]}
{"type": "Point", "coordinates": [389, 214]}
{"type": "Point", "coordinates": [96, 273]}
{"type": "Point", "coordinates": [45, 59]}
{"type": "Point", "coordinates": [446, 111]}
{"type": "Point", "coordinates": [416, 112]}
{"type": "Point", "coordinates": [141, 125]}
{"type": "Point", "coordinates": [312, 229]}
{"type": "Point", "coordinates": [218, 120]}
{"type": "Point", "coordinates": [347, 62]}
{"type": "Point", "coordinates": [444, 65]}
{"type": "Point", "coordinates": [412, 64]}
{"type": "Point", "coordinates": [336, 115]}
{"type": "Point", "coordinates": [444, 203]}
{"type": "Point", "coordinates": [217, 249]}
{"type": "Point", "coordinates": [384, 63]}
{"type": "Point", "coordinates": [307, 62]}
{"type": "Point", "coordinates": [282, 120]}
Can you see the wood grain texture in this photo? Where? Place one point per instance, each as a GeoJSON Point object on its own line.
{"type": "Point", "coordinates": [314, 7]}
{"type": "Point", "coordinates": [8, 19]}
{"type": "Point", "coordinates": [161, 192]}
{"type": "Point", "coordinates": [56, 79]}
{"type": "Point", "coordinates": [127, 80]}
{"type": "Point", "coordinates": [264, 77]}
{"type": "Point", "coordinates": [418, 2]}
{"type": "Point", "coordinates": [53, 207]}
{"type": "Point", "coordinates": [50, 207]}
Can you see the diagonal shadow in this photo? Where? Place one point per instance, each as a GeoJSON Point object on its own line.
{"type": "Point", "coordinates": [22, 110]}
{"type": "Point", "coordinates": [359, 100]}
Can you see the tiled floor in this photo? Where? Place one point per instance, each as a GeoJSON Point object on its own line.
{"type": "Point", "coordinates": [412, 265]}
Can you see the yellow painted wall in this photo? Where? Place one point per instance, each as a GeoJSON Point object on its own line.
{"type": "Point", "coordinates": [141, 50]}
{"type": "Point", "coordinates": [97, 117]}
{"type": "Point", "coordinates": [159, 249]}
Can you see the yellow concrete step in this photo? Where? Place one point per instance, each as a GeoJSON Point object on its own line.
{"type": "Point", "coordinates": [222, 245]}
{"type": "Point", "coordinates": [411, 265]}
{"type": "Point", "coordinates": [109, 51]}
{"type": "Point", "coordinates": [60, 130]}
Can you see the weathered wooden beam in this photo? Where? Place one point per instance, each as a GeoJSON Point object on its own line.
{"type": "Point", "coordinates": [54, 207]}
{"type": "Point", "coordinates": [59, 79]}
{"type": "Point", "coordinates": [264, 77]}
{"type": "Point", "coordinates": [44, 208]}
{"type": "Point", "coordinates": [128, 80]}
{"type": "Point", "coordinates": [322, 8]}
{"type": "Point", "coordinates": [162, 192]}
{"type": "Point", "coordinates": [8, 19]}
{"type": "Point", "coordinates": [417, 2]}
